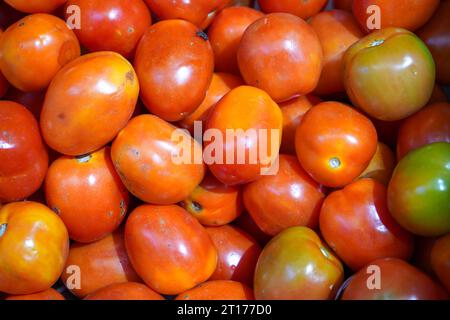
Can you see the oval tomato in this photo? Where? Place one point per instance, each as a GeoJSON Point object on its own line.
{"type": "Point", "coordinates": [302, 9]}
{"type": "Point", "coordinates": [125, 291]}
{"type": "Point", "coordinates": [218, 290]}
{"type": "Point", "coordinates": [49, 294]}
{"type": "Point", "coordinates": [35, 6]}
{"type": "Point", "coordinates": [440, 260]}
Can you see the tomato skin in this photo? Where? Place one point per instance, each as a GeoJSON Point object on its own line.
{"type": "Point", "coordinates": [168, 248]}
{"type": "Point", "coordinates": [390, 74]}
{"type": "Point", "coordinates": [418, 192]}
{"type": "Point", "coordinates": [225, 34]}
{"type": "Point", "coordinates": [302, 9]}
{"type": "Point", "coordinates": [39, 60]}
{"type": "Point", "coordinates": [237, 252]}
{"type": "Point", "coordinates": [262, 113]}
{"type": "Point", "coordinates": [336, 159]}
{"type": "Point", "coordinates": [49, 294]}
{"type": "Point", "coordinates": [23, 156]}
{"type": "Point", "coordinates": [431, 124]}
{"type": "Point", "coordinates": [399, 281]}
{"type": "Point", "coordinates": [213, 203]}
{"type": "Point", "coordinates": [174, 82]}
{"type": "Point", "coordinates": [125, 291]}
{"type": "Point", "coordinates": [35, 6]}
{"type": "Point", "coordinates": [218, 290]}
{"type": "Point", "coordinates": [289, 198]}
{"type": "Point", "coordinates": [440, 260]}
{"type": "Point", "coordinates": [164, 181]}
{"type": "Point", "coordinates": [357, 225]}
{"type": "Point", "coordinates": [381, 166]}
{"type": "Point", "coordinates": [33, 247]}
{"type": "Point", "coordinates": [267, 63]}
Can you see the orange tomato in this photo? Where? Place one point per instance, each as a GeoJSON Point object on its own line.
{"type": "Point", "coordinates": [125, 291]}
{"type": "Point", "coordinates": [302, 9]}
{"type": "Point", "coordinates": [35, 6]}
{"type": "Point", "coordinates": [440, 260]}
{"type": "Point", "coordinates": [218, 290]}
{"type": "Point", "coordinates": [381, 166]}
{"type": "Point", "coordinates": [33, 247]}
{"type": "Point", "coordinates": [49, 294]}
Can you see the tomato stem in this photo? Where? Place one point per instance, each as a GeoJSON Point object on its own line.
{"type": "Point", "coordinates": [3, 229]}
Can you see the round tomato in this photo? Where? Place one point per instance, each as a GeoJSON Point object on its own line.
{"type": "Point", "coordinates": [280, 54]}
{"type": "Point", "coordinates": [35, 6]}
{"type": "Point", "coordinates": [420, 188]}
{"type": "Point", "coordinates": [33, 247]}
{"type": "Point", "coordinates": [49, 294]}
{"type": "Point", "coordinates": [381, 166]}
{"type": "Point", "coordinates": [125, 291]}
{"type": "Point", "coordinates": [440, 260]}
{"type": "Point", "coordinates": [302, 9]}
{"type": "Point", "coordinates": [218, 290]}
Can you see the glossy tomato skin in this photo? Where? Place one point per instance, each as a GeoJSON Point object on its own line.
{"type": "Point", "coordinates": [266, 62]}
{"type": "Point", "coordinates": [213, 203]}
{"type": "Point", "coordinates": [400, 281]}
{"type": "Point", "coordinates": [419, 190]}
{"type": "Point", "coordinates": [87, 104]}
{"type": "Point", "coordinates": [302, 9]}
{"type": "Point", "coordinates": [357, 225]}
{"type": "Point", "coordinates": [159, 180]}
{"type": "Point", "coordinates": [289, 198]}
{"type": "Point", "coordinates": [44, 44]}
{"type": "Point", "coordinates": [33, 247]}
{"type": "Point", "coordinates": [169, 249]}
{"type": "Point", "coordinates": [101, 263]}
{"type": "Point", "coordinates": [262, 116]}
{"type": "Point", "coordinates": [87, 194]}
{"type": "Point", "coordinates": [336, 159]}
{"type": "Point", "coordinates": [334, 44]}
{"type": "Point", "coordinates": [225, 34]}
{"type": "Point", "coordinates": [440, 260]}
{"type": "Point", "coordinates": [284, 268]}
{"type": "Point", "coordinates": [218, 290]}
{"type": "Point", "coordinates": [381, 166]}
{"type": "Point", "coordinates": [35, 6]}
{"type": "Point", "coordinates": [23, 156]}
{"type": "Point", "coordinates": [174, 81]}
{"type": "Point", "coordinates": [431, 124]}
{"type": "Point", "coordinates": [49, 294]}
{"type": "Point", "coordinates": [115, 25]}
{"type": "Point", "coordinates": [390, 74]}
{"type": "Point", "coordinates": [125, 291]}
{"type": "Point", "coordinates": [237, 252]}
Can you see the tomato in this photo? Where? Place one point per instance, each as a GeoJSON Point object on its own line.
{"type": "Point", "coordinates": [407, 14]}
{"type": "Point", "coordinates": [440, 260]}
{"type": "Point", "coordinates": [343, 4]}
{"type": "Point", "coordinates": [49, 294]}
{"type": "Point", "coordinates": [174, 81]}
{"type": "Point", "coordinates": [218, 290]}
{"type": "Point", "coordinates": [399, 281]}
{"type": "Point", "coordinates": [419, 190]}
{"type": "Point", "coordinates": [334, 44]}
{"type": "Point", "coordinates": [381, 166]}
{"type": "Point", "coordinates": [125, 291]}
{"type": "Point", "coordinates": [280, 54]}
{"type": "Point", "coordinates": [111, 25]}
{"type": "Point", "coordinates": [436, 34]}
{"type": "Point", "coordinates": [213, 203]}
{"type": "Point", "coordinates": [87, 104]}
{"type": "Point", "coordinates": [33, 101]}
{"type": "Point", "coordinates": [289, 198]}
{"type": "Point", "coordinates": [87, 194]}
{"type": "Point", "coordinates": [23, 156]}
{"type": "Point", "coordinates": [295, 265]}
{"type": "Point", "coordinates": [302, 9]}
{"type": "Point", "coordinates": [33, 247]}
{"type": "Point", "coordinates": [293, 111]}
{"type": "Point", "coordinates": [237, 252]}
{"type": "Point", "coordinates": [335, 143]}
{"type": "Point", "coordinates": [168, 248]}
{"type": "Point", "coordinates": [389, 74]}
{"type": "Point", "coordinates": [143, 154]}
{"type": "Point", "coordinates": [35, 6]}
{"type": "Point", "coordinates": [247, 224]}
{"type": "Point", "coordinates": [431, 124]}
{"type": "Point", "coordinates": [100, 264]}
{"type": "Point", "coordinates": [220, 85]}
{"type": "Point", "coordinates": [357, 225]}
{"type": "Point", "coordinates": [225, 34]}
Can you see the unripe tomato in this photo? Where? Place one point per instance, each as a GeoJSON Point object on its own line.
{"type": "Point", "coordinates": [35, 6]}
{"type": "Point", "coordinates": [381, 166]}
{"type": "Point", "coordinates": [440, 260]}
{"type": "Point", "coordinates": [49, 294]}
{"type": "Point", "coordinates": [302, 9]}
{"type": "Point", "coordinates": [125, 291]}
{"type": "Point", "coordinates": [218, 290]}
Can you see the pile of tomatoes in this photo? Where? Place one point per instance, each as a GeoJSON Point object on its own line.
{"type": "Point", "coordinates": [93, 205]}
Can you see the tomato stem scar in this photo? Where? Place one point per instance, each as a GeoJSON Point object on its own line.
{"type": "Point", "coordinates": [335, 162]}
{"type": "Point", "coordinates": [3, 229]}
{"type": "Point", "coordinates": [377, 42]}
{"type": "Point", "coordinates": [84, 158]}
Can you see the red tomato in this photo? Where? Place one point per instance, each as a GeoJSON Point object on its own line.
{"type": "Point", "coordinates": [237, 252]}
{"type": "Point", "coordinates": [174, 81]}
{"type": "Point", "coordinates": [35, 6]}
{"type": "Point", "coordinates": [33, 247]}
{"type": "Point", "coordinates": [125, 291]}
{"type": "Point", "coordinates": [169, 248]}
{"type": "Point", "coordinates": [281, 54]}
{"type": "Point", "coordinates": [440, 260]}
{"type": "Point", "coordinates": [303, 9]}
{"type": "Point", "coordinates": [381, 166]}
{"type": "Point", "coordinates": [49, 294]}
{"type": "Point", "coordinates": [218, 290]}
{"type": "Point", "coordinates": [23, 156]}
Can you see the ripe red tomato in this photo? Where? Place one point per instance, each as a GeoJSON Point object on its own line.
{"type": "Point", "coordinates": [33, 247]}
{"type": "Point", "coordinates": [335, 143]}
{"type": "Point", "coordinates": [49, 294]}
{"type": "Point", "coordinates": [440, 260]}
{"type": "Point", "coordinates": [237, 252]}
{"type": "Point", "coordinates": [35, 6]}
{"type": "Point", "coordinates": [218, 290]}
{"type": "Point", "coordinates": [381, 166]}
{"type": "Point", "coordinates": [143, 153]}
{"type": "Point", "coordinates": [169, 249]}
{"type": "Point", "coordinates": [302, 9]}
{"type": "Point", "coordinates": [289, 198]}
{"type": "Point", "coordinates": [23, 156]}
{"type": "Point", "coordinates": [280, 54]}
{"type": "Point", "coordinates": [174, 81]}
{"type": "Point", "coordinates": [125, 291]}
{"type": "Point", "coordinates": [111, 25]}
